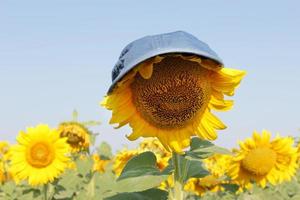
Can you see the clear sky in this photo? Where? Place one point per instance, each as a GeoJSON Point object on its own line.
{"type": "Point", "coordinates": [56, 56]}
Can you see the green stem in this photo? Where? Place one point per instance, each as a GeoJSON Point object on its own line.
{"type": "Point", "coordinates": [178, 184]}
{"type": "Point", "coordinates": [45, 190]}
{"type": "Point", "coordinates": [91, 187]}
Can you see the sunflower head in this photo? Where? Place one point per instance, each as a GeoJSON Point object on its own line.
{"type": "Point", "coordinates": [263, 160]}
{"type": "Point", "coordinates": [171, 97]}
{"type": "Point", "coordinates": [40, 155]}
{"type": "Point", "coordinates": [78, 136]}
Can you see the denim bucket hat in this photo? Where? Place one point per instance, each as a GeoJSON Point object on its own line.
{"type": "Point", "coordinates": [149, 46]}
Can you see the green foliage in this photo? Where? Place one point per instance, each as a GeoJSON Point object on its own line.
{"type": "Point", "coordinates": [201, 149]}
{"type": "Point", "coordinates": [141, 178]}
{"type": "Point", "coordinates": [189, 168]}
{"type": "Point", "coordinates": [151, 194]}
{"type": "Point", "coordinates": [141, 165]}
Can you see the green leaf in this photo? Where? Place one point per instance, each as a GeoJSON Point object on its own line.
{"type": "Point", "coordinates": [151, 194]}
{"type": "Point", "coordinates": [137, 184]}
{"type": "Point", "coordinates": [296, 197]}
{"type": "Point", "coordinates": [188, 168]}
{"type": "Point", "coordinates": [233, 188]}
{"type": "Point", "coordinates": [195, 169]}
{"type": "Point", "coordinates": [201, 149]}
{"type": "Point", "coordinates": [70, 183]}
{"type": "Point", "coordinates": [84, 166]}
{"type": "Point", "coordinates": [8, 188]}
{"type": "Point", "coordinates": [197, 143]}
{"type": "Point", "coordinates": [140, 165]}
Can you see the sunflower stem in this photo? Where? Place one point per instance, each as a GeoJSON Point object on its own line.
{"type": "Point", "coordinates": [178, 185]}
{"type": "Point", "coordinates": [45, 191]}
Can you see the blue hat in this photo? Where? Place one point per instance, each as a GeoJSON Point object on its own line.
{"type": "Point", "coordinates": [150, 46]}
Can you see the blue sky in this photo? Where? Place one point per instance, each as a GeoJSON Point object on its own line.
{"type": "Point", "coordinates": [57, 56]}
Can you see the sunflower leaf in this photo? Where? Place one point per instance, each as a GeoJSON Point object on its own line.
{"type": "Point", "coordinates": [84, 165]}
{"type": "Point", "coordinates": [201, 149]}
{"type": "Point", "coordinates": [140, 165]}
{"type": "Point", "coordinates": [151, 194]}
{"type": "Point", "coordinates": [190, 168]}
{"type": "Point", "coordinates": [195, 169]}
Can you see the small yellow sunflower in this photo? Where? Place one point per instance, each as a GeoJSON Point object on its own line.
{"type": "Point", "coordinates": [218, 164]}
{"type": "Point", "coordinates": [122, 158]}
{"type": "Point", "coordinates": [78, 136]}
{"type": "Point", "coordinates": [263, 160]}
{"type": "Point", "coordinates": [201, 185]}
{"type": "Point", "coordinates": [99, 164]}
{"type": "Point", "coordinates": [171, 97]}
{"type": "Point", "coordinates": [40, 155]}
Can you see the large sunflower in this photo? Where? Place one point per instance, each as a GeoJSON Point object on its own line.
{"type": "Point", "coordinates": [171, 97]}
{"type": "Point", "coordinates": [78, 136]}
{"type": "Point", "coordinates": [40, 155]}
{"type": "Point", "coordinates": [263, 160]}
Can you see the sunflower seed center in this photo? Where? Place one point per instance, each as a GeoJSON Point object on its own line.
{"type": "Point", "coordinates": [40, 155]}
{"type": "Point", "coordinates": [177, 90]}
{"type": "Point", "coordinates": [259, 161]}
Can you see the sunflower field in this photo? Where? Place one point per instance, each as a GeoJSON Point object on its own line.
{"type": "Point", "coordinates": [64, 164]}
{"type": "Point", "coordinates": [168, 100]}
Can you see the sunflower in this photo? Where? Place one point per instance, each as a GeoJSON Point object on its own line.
{"type": "Point", "coordinates": [40, 155]}
{"type": "Point", "coordinates": [99, 163]}
{"type": "Point", "coordinates": [122, 158]}
{"type": "Point", "coordinates": [171, 97]}
{"type": "Point", "coordinates": [78, 136]}
{"type": "Point", "coordinates": [263, 160]}
{"type": "Point", "coordinates": [218, 164]}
